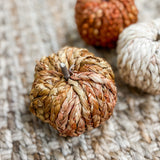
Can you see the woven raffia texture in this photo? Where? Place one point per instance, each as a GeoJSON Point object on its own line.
{"type": "Point", "coordinates": [31, 29]}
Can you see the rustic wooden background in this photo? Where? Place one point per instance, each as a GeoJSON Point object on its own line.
{"type": "Point", "coordinates": [31, 29]}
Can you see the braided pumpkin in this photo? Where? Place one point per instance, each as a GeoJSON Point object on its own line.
{"type": "Point", "coordinates": [139, 56]}
{"type": "Point", "coordinates": [73, 91]}
{"type": "Point", "coordinates": [101, 21]}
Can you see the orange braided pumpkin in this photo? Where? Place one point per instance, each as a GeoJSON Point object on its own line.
{"type": "Point", "coordinates": [101, 21]}
{"type": "Point", "coordinates": [73, 91]}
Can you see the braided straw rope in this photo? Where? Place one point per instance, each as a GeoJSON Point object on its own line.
{"type": "Point", "coordinates": [82, 102]}
{"type": "Point", "coordinates": [139, 56]}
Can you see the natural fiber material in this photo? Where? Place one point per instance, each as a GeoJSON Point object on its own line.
{"type": "Point", "coordinates": [101, 21]}
{"type": "Point", "coordinates": [77, 103]}
{"type": "Point", "coordinates": [139, 56]}
{"type": "Point", "coordinates": [31, 29]}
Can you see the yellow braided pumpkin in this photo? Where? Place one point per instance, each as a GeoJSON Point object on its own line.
{"type": "Point", "coordinates": [73, 91]}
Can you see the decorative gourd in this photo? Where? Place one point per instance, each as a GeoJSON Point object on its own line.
{"type": "Point", "coordinates": [139, 56]}
{"type": "Point", "coordinates": [101, 21]}
{"type": "Point", "coordinates": [73, 91]}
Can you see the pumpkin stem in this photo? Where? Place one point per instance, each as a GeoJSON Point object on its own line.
{"type": "Point", "coordinates": [65, 71]}
{"type": "Point", "coordinates": [158, 37]}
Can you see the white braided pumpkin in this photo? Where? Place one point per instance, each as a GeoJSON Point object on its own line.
{"type": "Point", "coordinates": [139, 56]}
